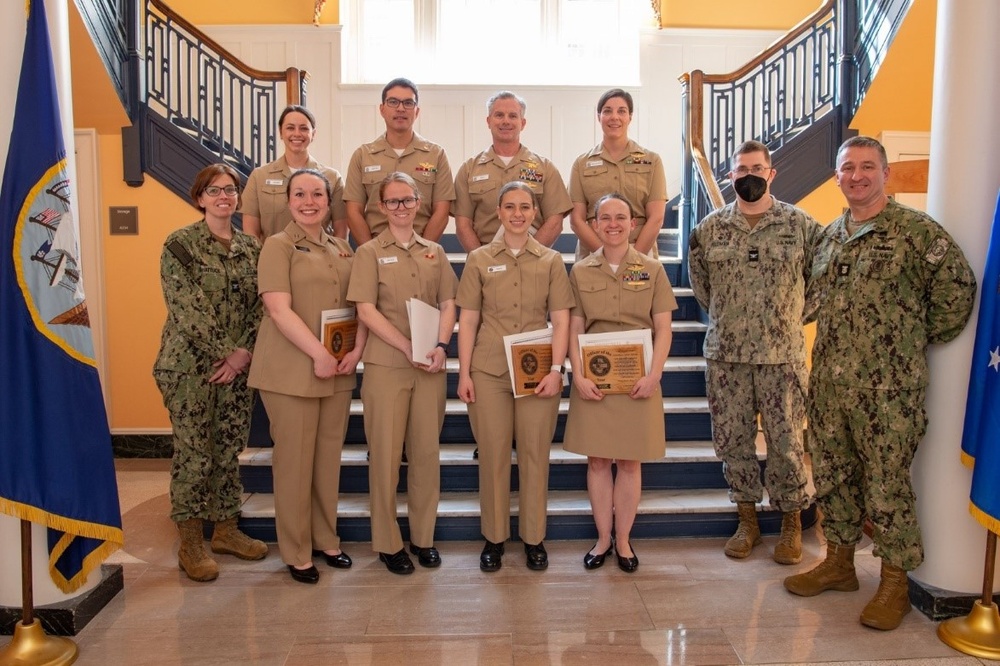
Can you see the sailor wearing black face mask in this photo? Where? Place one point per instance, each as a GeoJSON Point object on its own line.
{"type": "Point", "coordinates": [748, 264]}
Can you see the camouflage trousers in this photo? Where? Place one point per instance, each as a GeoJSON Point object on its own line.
{"type": "Point", "coordinates": [862, 442]}
{"type": "Point", "coordinates": [737, 393]}
{"type": "Point", "coordinates": [211, 423]}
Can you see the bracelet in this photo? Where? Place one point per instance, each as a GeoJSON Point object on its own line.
{"type": "Point", "coordinates": [443, 345]}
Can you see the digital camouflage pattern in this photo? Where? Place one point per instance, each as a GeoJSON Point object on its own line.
{"type": "Point", "coordinates": [880, 297]}
{"type": "Point", "coordinates": [752, 282]}
{"type": "Point", "coordinates": [212, 309]}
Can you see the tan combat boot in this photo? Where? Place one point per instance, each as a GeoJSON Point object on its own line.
{"type": "Point", "coordinates": [227, 539]}
{"type": "Point", "coordinates": [789, 547]}
{"type": "Point", "coordinates": [891, 602]}
{"type": "Point", "coordinates": [192, 557]}
{"type": "Point", "coordinates": [747, 532]}
{"type": "Point", "coordinates": [836, 572]}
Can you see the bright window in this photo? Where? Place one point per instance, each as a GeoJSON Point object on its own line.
{"type": "Point", "coordinates": [508, 42]}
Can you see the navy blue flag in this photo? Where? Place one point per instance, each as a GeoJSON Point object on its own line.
{"type": "Point", "coordinates": [981, 435]}
{"type": "Point", "coordinates": [56, 463]}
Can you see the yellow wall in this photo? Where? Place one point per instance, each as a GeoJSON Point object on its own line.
{"type": "Point", "coordinates": [289, 12]}
{"type": "Point", "coordinates": [773, 15]}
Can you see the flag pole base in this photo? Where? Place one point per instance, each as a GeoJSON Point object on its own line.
{"type": "Point", "coordinates": [31, 646]}
{"type": "Point", "coordinates": [978, 633]}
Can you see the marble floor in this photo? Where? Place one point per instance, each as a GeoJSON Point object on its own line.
{"type": "Point", "coordinates": [687, 604]}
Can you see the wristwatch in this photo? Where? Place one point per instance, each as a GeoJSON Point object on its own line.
{"type": "Point", "coordinates": [560, 368]}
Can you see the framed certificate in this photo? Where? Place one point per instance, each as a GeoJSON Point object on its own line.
{"type": "Point", "coordinates": [616, 361]}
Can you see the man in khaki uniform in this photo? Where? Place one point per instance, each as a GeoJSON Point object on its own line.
{"type": "Point", "coordinates": [399, 149]}
{"type": "Point", "coordinates": [479, 180]}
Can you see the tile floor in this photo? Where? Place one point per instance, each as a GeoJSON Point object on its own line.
{"type": "Point", "coordinates": [687, 604]}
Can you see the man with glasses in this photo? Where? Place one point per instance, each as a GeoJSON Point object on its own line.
{"type": "Point", "coordinates": [479, 180]}
{"type": "Point", "coordinates": [748, 263]}
{"type": "Point", "coordinates": [399, 149]}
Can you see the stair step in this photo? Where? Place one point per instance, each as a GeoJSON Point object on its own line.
{"type": "Point", "coordinates": [662, 513]}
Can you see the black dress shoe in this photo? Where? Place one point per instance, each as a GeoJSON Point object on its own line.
{"type": "Point", "coordinates": [491, 558]}
{"type": "Point", "coordinates": [339, 561]}
{"type": "Point", "coordinates": [310, 575]}
{"type": "Point", "coordinates": [397, 563]}
{"type": "Point", "coordinates": [627, 564]}
{"type": "Point", "coordinates": [591, 561]}
{"type": "Point", "coordinates": [428, 557]}
{"type": "Point", "coordinates": [538, 559]}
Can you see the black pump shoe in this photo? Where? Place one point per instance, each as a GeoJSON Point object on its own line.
{"type": "Point", "coordinates": [627, 564]}
{"type": "Point", "coordinates": [310, 575]}
{"type": "Point", "coordinates": [339, 561]}
{"type": "Point", "coordinates": [591, 561]}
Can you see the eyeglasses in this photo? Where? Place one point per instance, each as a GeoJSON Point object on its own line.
{"type": "Point", "coordinates": [394, 204]}
{"type": "Point", "coordinates": [408, 104]}
{"type": "Point", "coordinates": [756, 169]}
{"type": "Point", "coordinates": [214, 191]}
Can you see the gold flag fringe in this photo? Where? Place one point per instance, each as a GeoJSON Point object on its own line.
{"type": "Point", "coordinates": [985, 519]}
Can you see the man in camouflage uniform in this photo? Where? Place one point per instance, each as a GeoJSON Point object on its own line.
{"type": "Point", "coordinates": [213, 312]}
{"type": "Point", "coordinates": [887, 281]}
{"type": "Point", "coordinates": [748, 264]}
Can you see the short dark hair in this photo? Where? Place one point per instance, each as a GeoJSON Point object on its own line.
{"type": "Point", "coordinates": [517, 185]}
{"type": "Point", "coordinates": [310, 172]}
{"type": "Point", "coordinates": [752, 146]}
{"type": "Point", "coordinates": [612, 196]}
{"type": "Point", "coordinates": [611, 94]}
{"type": "Point", "coordinates": [205, 178]}
{"type": "Point", "coordinates": [862, 141]}
{"type": "Point", "coordinates": [398, 177]}
{"type": "Point", "coordinates": [297, 108]}
{"type": "Point", "coordinates": [401, 83]}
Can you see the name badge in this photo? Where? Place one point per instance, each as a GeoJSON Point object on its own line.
{"type": "Point", "coordinates": [373, 168]}
{"type": "Point", "coordinates": [388, 260]}
{"type": "Point", "coordinates": [497, 269]}
{"type": "Point", "coordinates": [476, 179]}
{"type": "Point", "coordinates": [754, 255]}
{"type": "Point", "coordinates": [593, 163]}
{"type": "Point", "coordinates": [274, 181]}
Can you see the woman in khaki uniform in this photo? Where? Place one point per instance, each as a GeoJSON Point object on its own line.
{"type": "Point", "coordinates": [512, 285]}
{"type": "Point", "coordinates": [305, 389]}
{"type": "Point", "coordinates": [617, 289]}
{"type": "Point", "coordinates": [265, 201]}
{"type": "Point", "coordinates": [403, 397]}
{"type": "Point", "coordinates": [618, 164]}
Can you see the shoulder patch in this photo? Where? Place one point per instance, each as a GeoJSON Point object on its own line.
{"type": "Point", "coordinates": [938, 249]}
{"type": "Point", "coordinates": [180, 252]}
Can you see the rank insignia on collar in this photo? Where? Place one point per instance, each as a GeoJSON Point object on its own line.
{"type": "Point", "coordinates": [345, 254]}
{"type": "Point", "coordinates": [426, 167]}
{"type": "Point", "coordinates": [429, 255]}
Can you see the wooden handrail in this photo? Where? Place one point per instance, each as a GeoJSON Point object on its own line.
{"type": "Point", "coordinates": [289, 75]}
{"type": "Point", "coordinates": [802, 27]}
{"type": "Point", "coordinates": [694, 82]}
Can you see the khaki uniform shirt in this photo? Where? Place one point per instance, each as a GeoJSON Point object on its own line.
{"type": "Point", "coordinates": [478, 183]}
{"type": "Point", "coordinates": [387, 275]}
{"type": "Point", "coordinates": [883, 294]}
{"type": "Point", "coordinates": [423, 160]}
{"type": "Point", "coordinates": [212, 303]}
{"type": "Point", "coordinates": [624, 301]}
{"type": "Point", "coordinates": [638, 177]}
{"type": "Point", "coordinates": [752, 282]}
{"type": "Point", "coordinates": [317, 276]}
{"type": "Point", "coordinates": [265, 195]}
{"type": "Point", "coordinates": [512, 295]}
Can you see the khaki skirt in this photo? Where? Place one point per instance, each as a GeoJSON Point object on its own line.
{"type": "Point", "coordinates": [616, 427]}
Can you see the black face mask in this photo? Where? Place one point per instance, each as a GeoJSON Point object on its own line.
{"type": "Point", "coordinates": [750, 188]}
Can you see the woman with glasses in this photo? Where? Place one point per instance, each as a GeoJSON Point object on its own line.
{"type": "Point", "coordinates": [208, 271]}
{"type": "Point", "coordinates": [304, 387]}
{"type": "Point", "coordinates": [265, 203]}
{"type": "Point", "coordinates": [618, 164]}
{"type": "Point", "coordinates": [512, 285]}
{"type": "Point", "coordinates": [403, 394]}
{"type": "Point", "coordinates": [617, 289]}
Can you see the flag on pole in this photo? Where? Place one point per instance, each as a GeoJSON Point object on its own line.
{"type": "Point", "coordinates": [981, 434]}
{"type": "Point", "coordinates": [56, 463]}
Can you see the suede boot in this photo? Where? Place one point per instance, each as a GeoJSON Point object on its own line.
{"type": "Point", "coordinates": [836, 572]}
{"type": "Point", "coordinates": [891, 602]}
{"type": "Point", "coordinates": [192, 557]}
{"type": "Point", "coordinates": [789, 547]}
{"type": "Point", "coordinates": [747, 532]}
{"type": "Point", "coordinates": [228, 540]}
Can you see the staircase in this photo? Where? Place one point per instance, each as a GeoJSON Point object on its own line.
{"type": "Point", "coordinates": [684, 494]}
